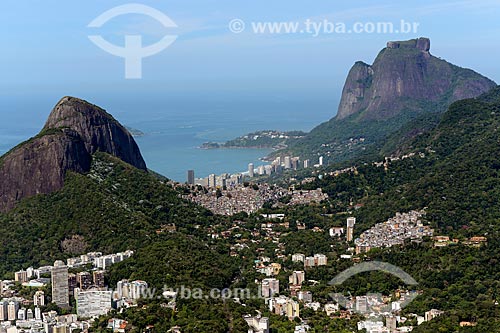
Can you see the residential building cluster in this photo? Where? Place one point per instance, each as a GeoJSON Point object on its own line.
{"type": "Point", "coordinates": [128, 292]}
{"type": "Point", "coordinates": [92, 297]}
{"type": "Point", "coordinates": [306, 197]}
{"type": "Point", "coordinates": [98, 260]}
{"type": "Point", "coordinates": [221, 181]}
{"type": "Point", "coordinates": [333, 148]}
{"type": "Point", "coordinates": [257, 324]}
{"type": "Point", "coordinates": [277, 166]}
{"type": "Point", "coordinates": [289, 300]}
{"type": "Point", "coordinates": [395, 231]}
{"type": "Point", "coordinates": [389, 159]}
{"type": "Point", "coordinates": [283, 163]}
{"type": "Point", "coordinates": [312, 261]}
{"type": "Point", "coordinates": [31, 277]}
{"type": "Point", "coordinates": [398, 228]}
{"type": "Point", "coordinates": [117, 325]}
{"type": "Point", "coordinates": [250, 197]}
{"type": "Point", "coordinates": [236, 199]}
{"type": "Point", "coordinates": [18, 316]}
{"type": "Point", "coordinates": [284, 306]}
{"type": "Point", "coordinates": [377, 308]}
{"type": "Point", "coordinates": [270, 287]}
{"type": "Point", "coordinates": [394, 323]}
{"type": "Point", "coordinates": [290, 306]}
{"type": "Point", "coordinates": [272, 269]}
{"type": "Point", "coordinates": [443, 241]}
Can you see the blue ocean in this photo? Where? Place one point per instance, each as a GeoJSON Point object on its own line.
{"type": "Point", "coordinates": [176, 125]}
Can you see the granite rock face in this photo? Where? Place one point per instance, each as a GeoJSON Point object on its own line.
{"type": "Point", "coordinates": [73, 132]}
{"type": "Point", "coordinates": [403, 77]}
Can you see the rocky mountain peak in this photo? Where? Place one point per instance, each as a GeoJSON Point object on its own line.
{"type": "Point", "coordinates": [74, 108]}
{"type": "Point", "coordinates": [403, 78]}
{"type": "Point", "coordinates": [422, 44]}
{"type": "Point", "coordinates": [74, 131]}
{"type": "Point", "coordinates": [97, 128]}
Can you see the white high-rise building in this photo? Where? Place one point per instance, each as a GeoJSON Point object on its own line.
{"type": "Point", "coordinates": [21, 314]}
{"type": "Point", "coordinates": [288, 162]}
{"type": "Point", "coordinates": [298, 257]}
{"type": "Point", "coordinates": [268, 169]}
{"type": "Point", "coordinates": [309, 262]}
{"type": "Point", "coordinates": [283, 305]}
{"type": "Point", "coordinates": [138, 289]}
{"type": "Point", "coordinates": [362, 304]}
{"type": "Point", "coordinates": [320, 259]}
{"type": "Point", "coordinates": [12, 310]}
{"type": "Point", "coordinates": [60, 286]}
{"type": "Point", "coordinates": [431, 314]}
{"type": "Point", "coordinates": [317, 260]}
{"type": "Point", "coordinates": [39, 298]}
{"type": "Point", "coordinates": [38, 313]}
{"type": "Point", "coordinates": [321, 160]}
{"type": "Point", "coordinates": [130, 290]}
{"type": "Point", "coordinates": [92, 303]}
{"type": "Point", "coordinates": [251, 169]}
{"type": "Point", "coordinates": [31, 272]}
{"type": "Point", "coordinates": [297, 278]}
{"type": "Point", "coordinates": [29, 314]}
{"type": "Point", "coordinates": [21, 276]}
{"type": "Point", "coordinates": [257, 324]}
{"type": "Point", "coordinates": [3, 310]}
{"type": "Point", "coordinates": [351, 221]}
{"type": "Point", "coordinates": [212, 180]}
{"type": "Point", "coordinates": [269, 287]}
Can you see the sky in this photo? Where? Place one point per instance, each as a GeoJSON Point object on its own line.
{"type": "Point", "coordinates": [46, 52]}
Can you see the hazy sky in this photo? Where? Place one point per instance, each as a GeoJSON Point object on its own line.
{"type": "Point", "coordinates": [45, 49]}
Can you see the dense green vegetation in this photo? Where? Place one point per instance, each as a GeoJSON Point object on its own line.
{"type": "Point", "coordinates": [174, 260]}
{"type": "Point", "coordinates": [117, 207]}
{"type": "Point", "coordinates": [458, 180]}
